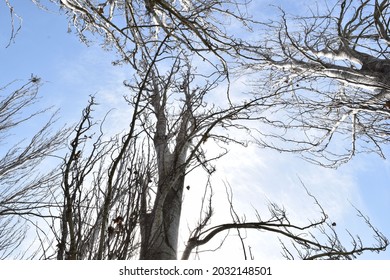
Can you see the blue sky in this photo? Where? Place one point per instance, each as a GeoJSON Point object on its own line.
{"type": "Point", "coordinates": [72, 71]}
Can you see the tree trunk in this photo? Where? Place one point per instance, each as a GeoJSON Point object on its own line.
{"type": "Point", "coordinates": [162, 237]}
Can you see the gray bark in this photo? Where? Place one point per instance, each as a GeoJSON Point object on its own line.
{"type": "Point", "coordinates": [160, 228]}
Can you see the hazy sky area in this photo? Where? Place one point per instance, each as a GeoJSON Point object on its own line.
{"type": "Point", "coordinates": [71, 71]}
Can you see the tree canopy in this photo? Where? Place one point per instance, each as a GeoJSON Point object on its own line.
{"type": "Point", "coordinates": [317, 86]}
{"type": "Point", "coordinates": [328, 73]}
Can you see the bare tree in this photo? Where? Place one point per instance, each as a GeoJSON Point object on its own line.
{"type": "Point", "coordinates": [122, 197]}
{"type": "Point", "coordinates": [328, 81]}
{"type": "Point", "coordinates": [98, 208]}
{"type": "Point", "coordinates": [140, 173]}
{"type": "Point", "coordinates": [25, 190]}
{"type": "Point", "coordinates": [123, 201]}
{"type": "Point", "coordinates": [183, 121]}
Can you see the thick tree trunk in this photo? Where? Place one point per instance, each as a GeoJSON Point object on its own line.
{"type": "Point", "coordinates": [162, 238]}
{"type": "Point", "coordinates": [160, 228]}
